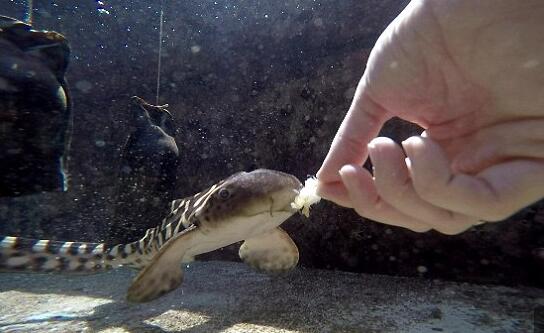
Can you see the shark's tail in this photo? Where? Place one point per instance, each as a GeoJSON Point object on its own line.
{"type": "Point", "coordinates": [19, 254]}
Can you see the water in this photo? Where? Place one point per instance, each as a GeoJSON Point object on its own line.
{"type": "Point", "coordinates": [248, 85]}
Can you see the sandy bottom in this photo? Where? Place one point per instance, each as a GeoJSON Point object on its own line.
{"type": "Point", "coordinates": [229, 297]}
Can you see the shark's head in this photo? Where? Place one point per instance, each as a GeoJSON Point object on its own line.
{"type": "Point", "coordinates": [249, 200]}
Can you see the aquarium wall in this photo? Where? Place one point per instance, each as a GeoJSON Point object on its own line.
{"type": "Point", "coordinates": [261, 84]}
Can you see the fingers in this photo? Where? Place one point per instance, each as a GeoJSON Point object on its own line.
{"type": "Point", "coordinates": [492, 195]}
{"type": "Point", "coordinates": [490, 145]}
{"type": "Point", "coordinates": [422, 193]}
{"type": "Point", "coordinates": [362, 123]}
{"type": "Point", "coordinates": [367, 202]}
{"type": "Point", "coordinates": [393, 184]}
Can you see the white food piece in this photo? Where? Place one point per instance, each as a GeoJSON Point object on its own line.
{"type": "Point", "coordinates": [306, 197]}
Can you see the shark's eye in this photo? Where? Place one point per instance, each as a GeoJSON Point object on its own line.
{"type": "Point", "coordinates": [224, 193]}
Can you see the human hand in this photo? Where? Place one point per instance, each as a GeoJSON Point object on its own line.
{"type": "Point", "coordinates": [470, 73]}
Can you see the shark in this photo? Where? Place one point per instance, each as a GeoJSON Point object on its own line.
{"type": "Point", "coordinates": [246, 207]}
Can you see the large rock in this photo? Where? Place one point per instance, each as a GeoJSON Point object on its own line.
{"type": "Point", "coordinates": [35, 113]}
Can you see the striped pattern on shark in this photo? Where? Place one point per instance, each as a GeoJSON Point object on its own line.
{"type": "Point", "coordinates": [24, 254]}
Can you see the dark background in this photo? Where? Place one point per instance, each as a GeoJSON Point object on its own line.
{"type": "Point", "coordinates": [251, 84]}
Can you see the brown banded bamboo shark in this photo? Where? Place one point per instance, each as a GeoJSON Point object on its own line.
{"type": "Point", "coordinates": [247, 206]}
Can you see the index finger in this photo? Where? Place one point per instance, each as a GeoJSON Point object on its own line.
{"type": "Point", "coordinates": [361, 124]}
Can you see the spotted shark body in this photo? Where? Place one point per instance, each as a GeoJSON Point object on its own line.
{"type": "Point", "coordinates": [247, 206]}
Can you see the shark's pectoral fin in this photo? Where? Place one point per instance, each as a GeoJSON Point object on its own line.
{"type": "Point", "coordinates": [164, 272]}
{"type": "Point", "coordinates": [271, 252]}
{"type": "Point", "coordinates": [155, 282]}
{"type": "Point", "coordinates": [187, 259]}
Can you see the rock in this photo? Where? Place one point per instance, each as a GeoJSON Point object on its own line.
{"type": "Point", "coordinates": [35, 110]}
{"type": "Point", "coordinates": [147, 174]}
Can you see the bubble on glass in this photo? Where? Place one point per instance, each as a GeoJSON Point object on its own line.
{"type": "Point", "coordinates": [422, 269]}
{"type": "Point", "coordinates": [195, 49]}
{"type": "Point", "coordinates": [126, 169]}
{"type": "Point", "coordinates": [318, 22]}
{"type": "Point", "coordinates": [84, 86]}
{"type": "Point", "coordinates": [100, 7]}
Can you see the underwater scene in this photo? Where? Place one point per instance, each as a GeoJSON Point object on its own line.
{"type": "Point", "coordinates": [272, 166]}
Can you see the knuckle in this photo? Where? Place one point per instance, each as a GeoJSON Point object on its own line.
{"type": "Point", "coordinates": [495, 212]}
{"type": "Point", "coordinates": [361, 209]}
{"type": "Point", "coordinates": [429, 195]}
{"type": "Point", "coordinates": [453, 229]}
{"type": "Point", "coordinates": [496, 216]}
{"type": "Point", "coordinates": [426, 189]}
{"type": "Point", "coordinates": [420, 228]}
{"type": "Point", "coordinates": [396, 191]}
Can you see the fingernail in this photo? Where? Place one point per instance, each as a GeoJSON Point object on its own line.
{"type": "Point", "coordinates": [374, 145]}
{"type": "Point", "coordinates": [408, 164]}
{"type": "Point", "coordinates": [371, 149]}
{"type": "Point", "coordinates": [409, 144]}
{"type": "Point", "coordinates": [318, 174]}
{"type": "Point", "coordinates": [379, 141]}
{"type": "Point", "coordinates": [346, 170]}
